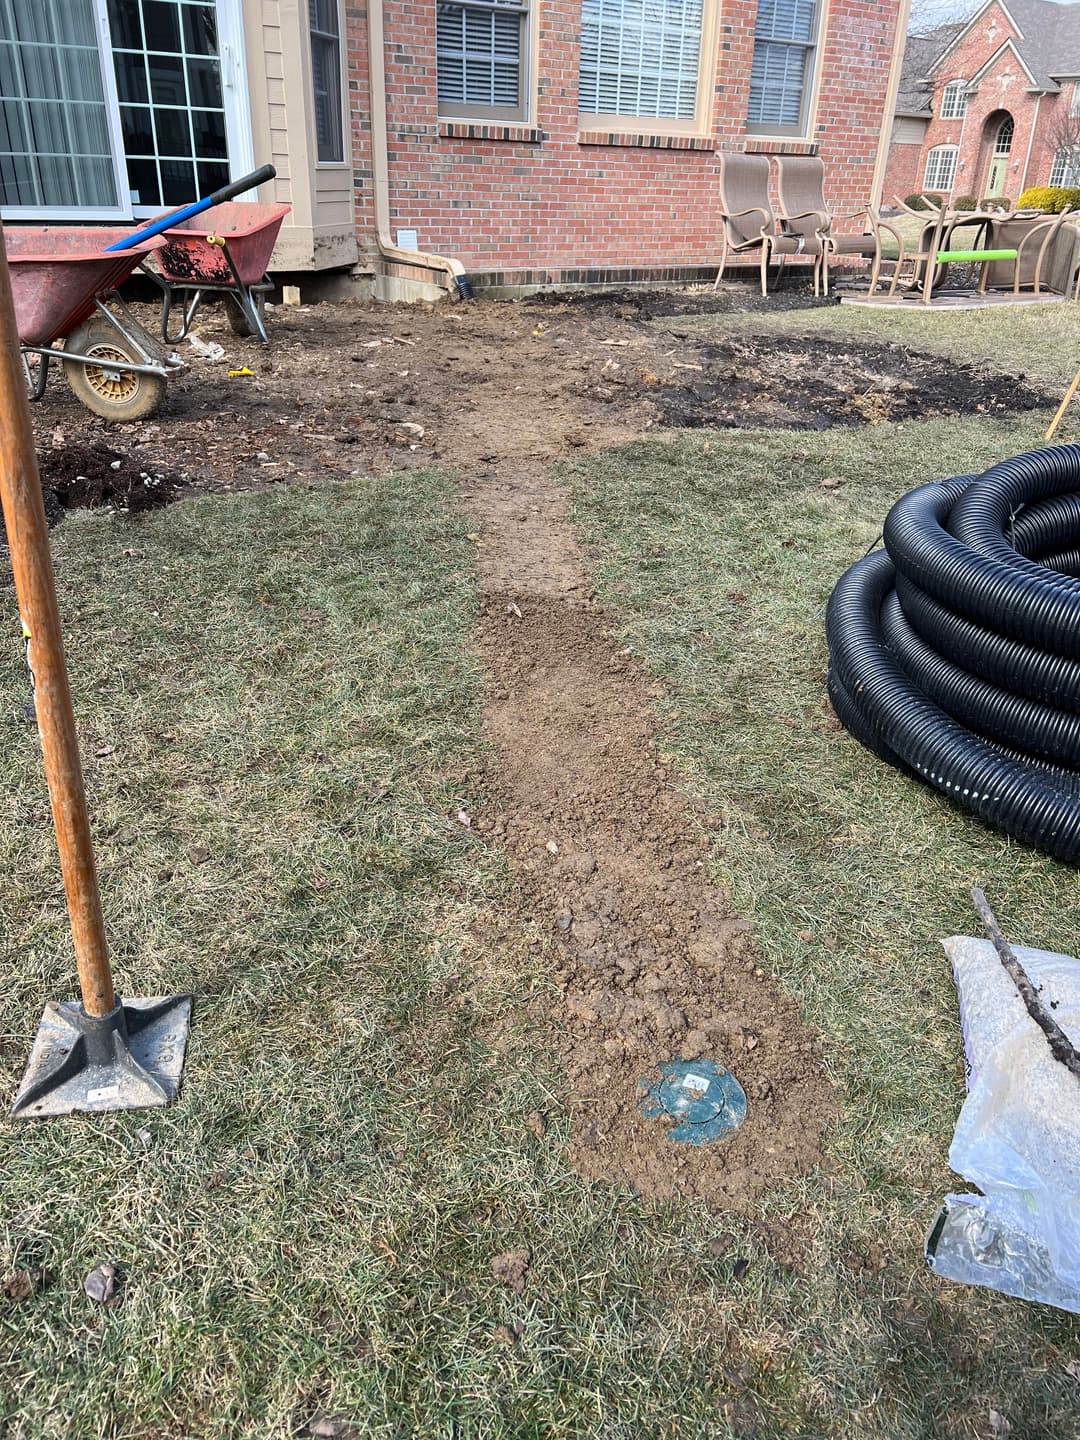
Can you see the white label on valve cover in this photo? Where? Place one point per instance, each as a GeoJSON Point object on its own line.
{"type": "Point", "coordinates": [698, 1083]}
{"type": "Point", "coordinates": [107, 1092]}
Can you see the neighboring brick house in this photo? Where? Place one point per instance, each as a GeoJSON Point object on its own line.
{"type": "Point", "coordinates": [989, 107]}
{"type": "Point", "coordinates": [570, 140]}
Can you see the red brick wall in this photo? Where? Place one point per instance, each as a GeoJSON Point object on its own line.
{"type": "Point", "coordinates": [551, 198]}
{"type": "Point", "coordinates": [1004, 87]}
{"type": "Point", "coordinates": [903, 172]}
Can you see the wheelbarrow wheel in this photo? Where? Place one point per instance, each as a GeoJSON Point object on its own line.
{"type": "Point", "coordinates": [239, 322]}
{"type": "Point", "coordinates": [107, 389]}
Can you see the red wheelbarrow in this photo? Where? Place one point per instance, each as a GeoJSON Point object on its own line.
{"type": "Point", "coordinates": [60, 280]}
{"type": "Point", "coordinates": [229, 259]}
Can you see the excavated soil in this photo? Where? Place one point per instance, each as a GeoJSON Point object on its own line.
{"type": "Point", "coordinates": [653, 963]}
{"type": "Point", "coordinates": [610, 855]}
{"type": "Point", "coordinates": [811, 383]}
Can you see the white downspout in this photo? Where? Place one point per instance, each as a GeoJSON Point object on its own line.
{"type": "Point", "coordinates": [457, 282]}
{"type": "Point", "coordinates": [1031, 142]}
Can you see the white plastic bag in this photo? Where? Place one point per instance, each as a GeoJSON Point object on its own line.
{"type": "Point", "coordinates": [1018, 1135]}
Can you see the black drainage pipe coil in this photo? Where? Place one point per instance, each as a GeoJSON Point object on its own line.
{"type": "Point", "coordinates": [954, 653]}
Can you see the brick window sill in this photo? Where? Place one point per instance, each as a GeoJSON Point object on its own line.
{"type": "Point", "coordinates": [646, 142]}
{"type": "Point", "coordinates": [483, 130]}
{"type": "Point", "coordinates": [778, 145]}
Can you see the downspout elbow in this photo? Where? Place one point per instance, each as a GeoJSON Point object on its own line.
{"type": "Point", "coordinates": [457, 281]}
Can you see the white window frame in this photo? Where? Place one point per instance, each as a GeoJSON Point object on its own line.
{"type": "Point", "coordinates": [934, 161]}
{"type": "Point", "coordinates": [238, 130]}
{"type": "Point", "coordinates": [1069, 166]}
{"type": "Point", "coordinates": [954, 100]}
{"type": "Point", "coordinates": [812, 49]}
{"type": "Point", "coordinates": [467, 112]}
{"type": "Point", "coordinates": [343, 90]}
{"type": "Point", "coordinates": [697, 122]}
{"type": "Point", "coordinates": [122, 210]}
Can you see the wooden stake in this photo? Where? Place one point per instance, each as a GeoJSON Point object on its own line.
{"type": "Point", "coordinates": [1056, 421]}
{"type": "Point", "coordinates": [1061, 1046]}
{"type": "Point", "coordinates": [31, 561]}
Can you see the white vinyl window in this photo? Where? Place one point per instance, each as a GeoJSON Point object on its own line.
{"type": "Point", "coordinates": [115, 108]}
{"type": "Point", "coordinates": [326, 79]}
{"type": "Point", "coordinates": [57, 131]}
{"type": "Point", "coordinates": [482, 59]}
{"type": "Point", "coordinates": [1066, 168]}
{"type": "Point", "coordinates": [781, 77]}
{"type": "Point", "coordinates": [954, 100]}
{"type": "Point", "coordinates": [640, 58]}
{"type": "Point", "coordinates": [940, 168]}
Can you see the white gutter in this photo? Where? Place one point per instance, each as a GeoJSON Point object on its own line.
{"type": "Point", "coordinates": [457, 282]}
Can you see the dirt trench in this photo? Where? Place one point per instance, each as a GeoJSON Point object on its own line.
{"type": "Point", "coordinates": [653, 965]}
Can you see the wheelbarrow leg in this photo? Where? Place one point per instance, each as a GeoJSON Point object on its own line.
{"type": "Point", "coordinates": [35, 388]}
{"type": "Point", "coordinates": [244, 300]}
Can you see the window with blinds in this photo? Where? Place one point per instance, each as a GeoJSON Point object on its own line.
{"type": "Point", "coordinates": [481, 57]}
{"type": "Point", "coordinates": [640, 57]}
{"type": "Point", "coordinates": [784, 41]}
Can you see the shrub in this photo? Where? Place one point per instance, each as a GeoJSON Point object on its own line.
{"type": "Point", "coordinates": [919, 202]}
{"type": "Point", "coordinates": [997, 202]}
{"type": "Point", "coordinates": [1051, 199]}
{"type": "Point", "coordinates": [965, 202]}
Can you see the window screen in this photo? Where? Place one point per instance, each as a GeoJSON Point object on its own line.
{"type": "Point", "coordinates": [480, 54]}
{"type": "Point", "coordinates": [640, 57]}
{"type": "Point", "coordinates": [783, 51]}
{"type": "Point", "coordinates": [326, 78]}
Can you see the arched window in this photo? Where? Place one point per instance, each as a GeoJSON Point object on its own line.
{"type": "Point", "coordinates": [954, 100]}
{"type": "Point", "coordinates": [1066, 168]}
{"type": "Point", "coordinates": [940, 168]}
{"type": "Point", "coordinates": [1003, 141]}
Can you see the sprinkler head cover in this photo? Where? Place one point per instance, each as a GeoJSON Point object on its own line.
{"type": "Point", "coordinates": [705, 1100]}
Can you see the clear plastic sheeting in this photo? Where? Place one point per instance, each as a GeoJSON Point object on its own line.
{"type": "Point", "coordinates": [1018, 1135]}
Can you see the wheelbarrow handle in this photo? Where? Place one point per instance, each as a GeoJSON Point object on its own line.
{"type": "Point", "coordinates": [185, 212]}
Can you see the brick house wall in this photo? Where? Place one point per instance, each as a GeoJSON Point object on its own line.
{"type": "Point", "coordinates": [903, 171]}
{"type": "Point", "coordinates": [1003, 90]}
{"type": "Point", "coordinates": [549, 200]}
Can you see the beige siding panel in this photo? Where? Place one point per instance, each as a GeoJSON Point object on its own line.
{"type": "Point", "coordinates": [321, 231]}
{"type": "Point", "coordinates": [908, 131]}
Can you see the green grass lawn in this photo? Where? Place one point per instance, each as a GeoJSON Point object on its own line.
{"type": "Point", "coordinates": [280, 715]}
{"type": "Point", "coordinates": [718, 554]}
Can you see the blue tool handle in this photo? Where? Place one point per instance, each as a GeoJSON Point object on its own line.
{"type": "Point", "coordinates": [176, 217]}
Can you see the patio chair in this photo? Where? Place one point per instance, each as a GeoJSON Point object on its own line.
{"type": "Point", "coordinates": [1032, 235]}
{"type": "Point", "coordinates": [748, 222]}
{"type": "Point", "coordinates": [802, 206]}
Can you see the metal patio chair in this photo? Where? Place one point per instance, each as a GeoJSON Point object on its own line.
{"type": "Point", "coordinates": [748, 222]}
{"type": "Point", "coordinates": [803, 209]}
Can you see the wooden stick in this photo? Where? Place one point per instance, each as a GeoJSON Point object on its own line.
{"type": "Point", "coordinates": [1061, 1047]}
{"type": "Point", "coordinates": [31, 561]}
{"type": "Point", "coordinates": [1056, 421]}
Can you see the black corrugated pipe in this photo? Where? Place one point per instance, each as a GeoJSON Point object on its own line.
{"type": "Point", "coordinates": [954, 653]}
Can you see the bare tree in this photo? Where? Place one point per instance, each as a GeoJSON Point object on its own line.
{"type": "Point", "coordinates": [1063, 132]}
{"type": "Point", "coordinates": [927, 15]}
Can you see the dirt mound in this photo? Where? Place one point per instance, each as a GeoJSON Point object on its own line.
{"type": "Point", "coordinates": [85, 476]}
{"type": "Point", "coordinates": [634, 304]}
{"type": "Point", "coordinates": [654, 964]}
{"type": "Point", "coordinates": [810, 383]}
